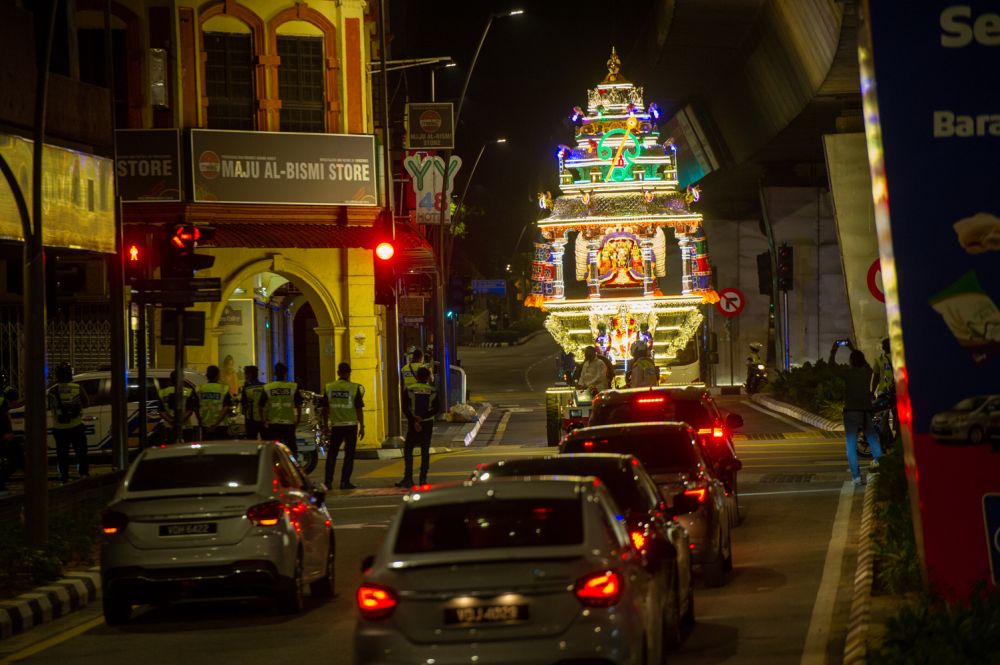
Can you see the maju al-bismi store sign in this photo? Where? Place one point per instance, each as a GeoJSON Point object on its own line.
{"type": "Point", "coordinates": [283, 167]}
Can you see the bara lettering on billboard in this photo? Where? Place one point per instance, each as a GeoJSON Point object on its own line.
{"type": "Point", "coordinates": [935, 154]}
{"type": "Point", "coordinates": [283, 167]}
{"type": "Point", "coordinates": [148, 164]}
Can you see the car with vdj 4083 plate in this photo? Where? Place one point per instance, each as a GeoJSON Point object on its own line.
{"type": "Point", "coordinates": [220, 518]}
{"type": "Point", "coordinates": [661, 539]}
{"type": "Point", "coordinates": [672, 455]}
{"type": "Point", "coordinates": [534, 571]}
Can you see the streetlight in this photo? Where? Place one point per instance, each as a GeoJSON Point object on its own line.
{"type": "Point", "coordinates": [440, 348]}
{"type": "Point", "coordinates": [434, 69]}
{"type": "Point", "coordinates": [472, 172]}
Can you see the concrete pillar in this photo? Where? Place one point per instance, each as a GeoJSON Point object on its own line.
{"type": "Point", "coordinates": [593, 281]}
{"type": "Point", "coordinates": [648, 279]}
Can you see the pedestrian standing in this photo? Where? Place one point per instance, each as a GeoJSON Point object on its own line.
{"type": "Point", "coordinates": [250, 402]}
{"type": "Point", "coordinates": [342, 406]}
{"type": "Point", "coordinates": [214, 403]}
{"type": "Point", "coordinates": [643, 373]}
{"type": "Point", "coordinates": [857, 408]}
{"type": "Point", "coordinates": [166, 407]}
{"type": "Point", "coordinates": [419, 406]}
{"type": "Point", "coordinates": [281, 408]}
{"type": "Point", "coordinates": [67, 402]}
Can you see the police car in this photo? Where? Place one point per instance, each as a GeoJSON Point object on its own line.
{"type": "Point", "coordinates": [97, 416]}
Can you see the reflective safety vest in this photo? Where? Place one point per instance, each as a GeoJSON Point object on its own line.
{"type": "Point", "coordinates": [340, 395]}
{"type": "Point", "coordinates": [645, 373]}
{"type": "Point", "coordinates": [167, 398]}
{"type": "Point", "coordinates": [280, 407]}
{"type": "Point", "coordinates": [251, 405]}
{"type": "Point", "coordinates": [421, 396]}
{"type": "Point", "coordinates": [886, 382]}
{"type": "Point", "coordinates": [67, 407]}
{"type": "Point", "coordinates": [211, 397]}
{"type": "Point", "coordinates": [410, 373]}
{"type": "Point", "coordinates": [753, 358]}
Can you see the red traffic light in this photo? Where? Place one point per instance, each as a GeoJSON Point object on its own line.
{"type": "Point", "coordinates": [185, 236]}
{"type": "Point", "coordinates": [385, 250]}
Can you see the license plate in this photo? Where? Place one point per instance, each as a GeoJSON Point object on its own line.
{"type": "Point", "coordinates": [191, 529]}
{"type": "Point", "coordinates": [485, 614]}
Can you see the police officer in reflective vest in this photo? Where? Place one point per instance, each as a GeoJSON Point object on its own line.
{"type": "Point", "coordinates": [885, 383]}
{"type": "Point", "coordinates": [214, 403]}
{"type": "Point", "coordinates": [67, 402]}
{"type": "Point", "coordinates": [643, 372]}
{"type": "Point", "coordinates": [419, 406]}
{"type": "Point", "coordinates": [250, 401]}
{"type": "Point", "coordinates": [281, 408]}
{"type": "Point", "coordinates": [409, 370]}
{"type": "Point", "coordinates": [343, 406]}
{"type": "Point", "coordinates": [166, 395]}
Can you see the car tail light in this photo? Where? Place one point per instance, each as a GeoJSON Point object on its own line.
{"type": "Point", "coordinates": [714, 432]}
{"type": "Point", "coordinates": [697, 492]}
{"type": "Point", "coordinates": [601, 589]}
{"type": "Point", "coordinates": [639, 540]}
{"type": "Point", "coordinates": [376, 602]}
{"type": "Point", "coordinates": [651, 400]}
{"type": "Point", "coordinates": [113, 522]}
{"type": "Point", "coordinates": [266, 514]}
{"type": "Point", "coordinates": [588, 445]}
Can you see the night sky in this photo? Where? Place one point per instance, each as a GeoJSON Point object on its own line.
{"type": "Point", "coordinates": [531, 72]}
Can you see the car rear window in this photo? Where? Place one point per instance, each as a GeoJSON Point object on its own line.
{"type": "Point", "coordinates": [620, 483]}
{"type": "Point", "coordinates": [211, 471]}
{"type": "Point", "coordinates": [482, 525]}
{"type": "Point", "coordinates": [659, 451]}
{"type": "Point", "coordinates": [650, 409]}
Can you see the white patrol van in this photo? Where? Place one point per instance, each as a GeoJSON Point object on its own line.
{"type": "Point", "coordinates": [97, 416]}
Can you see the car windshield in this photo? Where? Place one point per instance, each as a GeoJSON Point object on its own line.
{"type": "Point", "coordinates": [482, 525]}
{"type": "Point", "coordinates": [657, 408]}
{"type": "Point", "coordinates": [619, 482]}
{"type": "Point", "coordinates": [660, 451]}
{"type": "Point", "coordinates": [969, 404]}
{"type": "Point", "coordinates": [207, 471]}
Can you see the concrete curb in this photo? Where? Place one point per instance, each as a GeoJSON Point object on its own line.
{"type": "Point", "coordinates": [48, 602]}
{"type": "Point", "coordinates": [469, 436]}
{"type": "Point", "coordinates": [856, 645]}
{"type": "Point", "coordinates": [796, 412]}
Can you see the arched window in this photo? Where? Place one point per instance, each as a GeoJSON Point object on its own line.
{"type": "Point", "coordinates": [229, 80]}
{"type": "Point", "coordinates": [305, 79]}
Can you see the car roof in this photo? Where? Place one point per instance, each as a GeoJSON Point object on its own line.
{"type": "Point", "coordinates": [675, 392]}
{"type": "Point", "coordinates": [234, 447]}
{"type": "Point", "coordinates": [628, 428]}
{"type": "Point", "coordinates": [569, 462]}
{"type": "Point", "coordinates": [510, 487]}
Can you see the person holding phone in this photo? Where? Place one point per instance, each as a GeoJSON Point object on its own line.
{"type": "Point", "coordinates": [857, 407]}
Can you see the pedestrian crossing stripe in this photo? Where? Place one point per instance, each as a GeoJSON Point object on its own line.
{"type": "Point", "coordinates": [778, 436]}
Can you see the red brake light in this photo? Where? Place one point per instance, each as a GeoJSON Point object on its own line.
{"type": "Point", "coordinates": [651, 400]}
{"type": "Point", "coordinates": [376, 602]}
{"type": "Point", "coordinates": [639, 540]}
{"type": "Point", "coordinates": [698, 493]}
{"type": "Point", "coordinates": [266, 514]}
{"type": "Point", "coordinates": [588, 445]}
{"type": "Point", "coordinates": [113, 522]}
{"type": "Point", "coordinates": [601, 589]}
{"type": "Point", "coordinates": [718, 433]}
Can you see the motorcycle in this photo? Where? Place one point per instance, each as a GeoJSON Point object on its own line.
{"type": "Point", "coordinates": [756, 377]}
{"type": "Point", "coordinates": [884, 420]}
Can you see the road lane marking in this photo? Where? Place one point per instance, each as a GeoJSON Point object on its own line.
{"type": "Point", "coordinates": [501, 427]}
{"type": "Point", "coordinates": [56, 640]}
{"type": "Point", "coordinates": [821, 622]}
{"type": "Point", "coordinates": [532, 366]}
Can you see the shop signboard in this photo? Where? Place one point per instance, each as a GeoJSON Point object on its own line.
{"type": "Point", "coordinates": [934, 141]}
{"type": "Point", "coordinates": [427, 174]}
{"type": "Point", "coordinates": [283, 168]}
{"type": "Point", "coordinates": [148, 164]}
{"type": "Point", "coordinates": [430, 126]}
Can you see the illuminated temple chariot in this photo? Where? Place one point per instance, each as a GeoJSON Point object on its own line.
{"type": "Point", "coordinates": [620, 196]}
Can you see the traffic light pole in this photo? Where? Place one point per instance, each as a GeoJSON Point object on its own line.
{"type": "Point", "coordinates": [142, 413]}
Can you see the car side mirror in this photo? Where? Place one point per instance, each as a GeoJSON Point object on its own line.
{"type": "Point", "coordinates": [367, 563]}
{"type": "Point", "coordinates": [734, 421]}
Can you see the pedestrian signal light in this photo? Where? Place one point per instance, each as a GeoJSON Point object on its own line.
{"type": "Point", "coordinates": [385, 250]}
{"type": "Point", "coordinates": [133, 254]}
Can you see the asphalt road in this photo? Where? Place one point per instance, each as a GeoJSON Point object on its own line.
{"type": "Point", "coordinates": [786, 602]}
